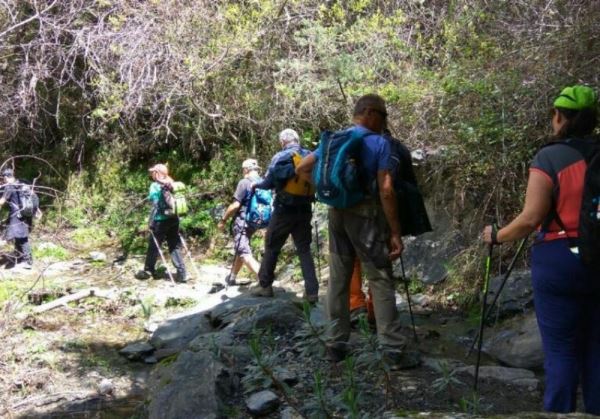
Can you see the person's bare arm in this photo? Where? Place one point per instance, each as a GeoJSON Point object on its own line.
{"type": "Point", "coordinates": [538, 201]}
{"type": "Point", "coordinates": [231, 209]}
{"type": "Point", "coordinates": [387, 195]}
{"type": "Point", "coordinates": [305, 167]}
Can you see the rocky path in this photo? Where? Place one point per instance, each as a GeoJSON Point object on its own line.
{"type": "Point", "coordinates": [159, 350]}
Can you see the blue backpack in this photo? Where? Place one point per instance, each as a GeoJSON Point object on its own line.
{"type": "Point", "coordinates": [260, 207]}
{"type": "Point", "coordinates": [337, 176]}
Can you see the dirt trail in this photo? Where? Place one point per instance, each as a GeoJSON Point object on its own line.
{"type": "Point", "coordinates": [68, 356]}
{"type": "Point", "coordinates": [66, 360]}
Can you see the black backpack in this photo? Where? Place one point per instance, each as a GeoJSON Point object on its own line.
{"type": "Point", "coordinates": [29, 202]}
{"type": "Point", "coordinates": [411, 207]}
{"type": "Point", "coordinates": [588, 242]}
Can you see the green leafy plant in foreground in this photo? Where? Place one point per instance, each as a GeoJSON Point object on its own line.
{"type": "Point", "coordinates": [371, 356]}
{"type": "Point", "coordinates": [263, 372]}
{"type": "Point", "coordinates": [147, 307]}
{"type": "Point", "coordinates": [447, 379]}
{"type": "Point", "coordinates": [311, 337]}
{"type": "Point", "coordinates": [350, 396]}
{"type": "Point", "coordinates": [473, 404]}
{"type": "Point", "coordinates": [317, 406]}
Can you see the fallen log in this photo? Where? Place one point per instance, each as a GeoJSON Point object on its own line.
{"type": "Point", "coordinates": [90, 292]}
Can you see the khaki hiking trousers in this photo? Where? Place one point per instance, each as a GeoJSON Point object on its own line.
{"type": "Point", "coordinates": [362, 231]}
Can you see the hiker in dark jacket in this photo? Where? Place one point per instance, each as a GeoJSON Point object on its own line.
{"type": "Point", "coordinates": [369, 230]}
{"type": "Point", "coordinates": [566, 293]}
{"type": "Point", "coordinates": [292, 215]}
{"type": "Point", "coordinates": [18, 226]}
{"type": "Point", "coordinates": [162, 227]}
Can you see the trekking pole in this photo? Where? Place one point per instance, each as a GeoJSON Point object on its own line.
{"type": "Point", "coordinates": [162, 256]}
{"type": "Point", "coordinates": [318, 249]}
{"type": "Point", "coordinates": [187, 250]}
{"type": "Point", "coordinates": [412, 318]}
{"type": "Point", "coordinates": [496, 297]}
{"type": "Point", "coordinates": [486, 281]}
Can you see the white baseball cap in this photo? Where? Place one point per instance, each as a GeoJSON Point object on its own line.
{"type": "Point", "coordinates": [250, 164]}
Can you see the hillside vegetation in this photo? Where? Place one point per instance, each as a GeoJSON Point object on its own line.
{"type": "Point", "coordinates": [101, 89]}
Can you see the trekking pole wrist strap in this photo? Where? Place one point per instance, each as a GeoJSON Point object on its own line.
{"type": "Point", "coordinates": [495, 234]}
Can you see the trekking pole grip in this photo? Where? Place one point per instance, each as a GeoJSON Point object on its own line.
{"type": "Point", "coordinates": [494, 235]}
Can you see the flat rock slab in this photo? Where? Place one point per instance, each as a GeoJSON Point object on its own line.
{"type": "Point", "coordinates": [441, 364]}
{"type": "Point", "coordinates": [137, 351]}
{"type": "Point", "coordinates": [262, 403]}
{"type": "Point", "coordinates": [245, 313]}
{"type": "Point", "coordinates": [178, 331]}
{"type": "Point", "coordinates": [514, 376]}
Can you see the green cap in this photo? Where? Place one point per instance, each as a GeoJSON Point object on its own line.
{"type": "Point", "coordinates": [576, 98]}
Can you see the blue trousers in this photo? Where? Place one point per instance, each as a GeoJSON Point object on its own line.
{"type": "Point", "coordinates": [567, 306]}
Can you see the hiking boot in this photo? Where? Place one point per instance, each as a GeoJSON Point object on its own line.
{"type": "Point", "coordinates": [142, 275]}
{"type": "Point", "coordinates": [336, 352]}
{"type": "Point", "coordinates": [216, 287]}
{"type": "Point", "coordinates": [181, 277]}
{"type": "Point", "coordinates": [260, 291]}
{"type": "Point", "coordinates": [230, 281]}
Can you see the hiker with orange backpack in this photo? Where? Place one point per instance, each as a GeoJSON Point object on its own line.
{"type": "Point", "coordinates": [562, 202]}
{"type": "Point", "coordinates": [292, 214]}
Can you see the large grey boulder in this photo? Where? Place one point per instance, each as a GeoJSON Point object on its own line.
{"type": "Point", "coordinates": [516, 296]}
{"type": "Point", "coordinates": [245, 314]}
{"type": "Point", "coordinates": [516, 343]}
{"type": "Point", "coordinates": [190, 388]}
{"type": "Point", "coordinates": [177, 332]}
{"type": "Point", "coordinates": [427, 256]}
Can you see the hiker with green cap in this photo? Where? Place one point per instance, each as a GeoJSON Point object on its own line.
{"type": "Point", "coordinates": [566, 279]}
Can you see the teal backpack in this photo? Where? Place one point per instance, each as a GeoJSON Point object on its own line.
{"type": "Point", "coordinates": [337, 175]}
{"type": "Point", "coordinates": [260, 208]}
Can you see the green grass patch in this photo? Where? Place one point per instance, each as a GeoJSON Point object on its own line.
{"type": "Point", "coordinates": [89, 236]}
{"type": "Point", "coordinates": [50, 252]}
{"type": "Point", "coordinates": [8, 289]}
{"type": "Point", "coordinates": [180, 302]}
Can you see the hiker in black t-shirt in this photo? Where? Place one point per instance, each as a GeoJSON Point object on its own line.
{"type": "Point", "coordinates": [242, 232]}
{"type": "Point", "coordinates": [18, 226]}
